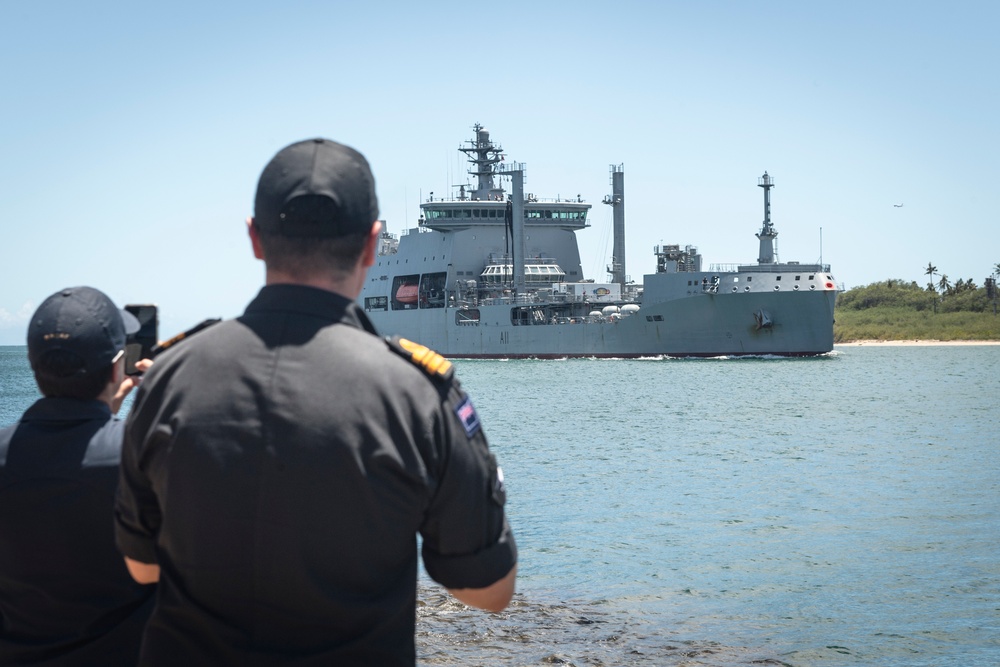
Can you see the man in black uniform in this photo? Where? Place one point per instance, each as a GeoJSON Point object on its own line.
{"type": "Point", "coordinates": [279, 466]}
{"type": "Point", "coordinates": [65, 596]}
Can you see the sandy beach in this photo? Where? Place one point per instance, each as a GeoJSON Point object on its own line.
{"type": "Point", "coordinates": [914, 343]}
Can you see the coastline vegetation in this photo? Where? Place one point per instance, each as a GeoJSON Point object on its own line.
{"type": "Point", "coordinates": [902, 310]}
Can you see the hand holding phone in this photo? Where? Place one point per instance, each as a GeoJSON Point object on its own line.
{"type": "Point", "coordinates": [140, 344]}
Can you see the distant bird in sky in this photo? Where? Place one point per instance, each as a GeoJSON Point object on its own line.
{"type": "Point", "coordinates": [897, 206]}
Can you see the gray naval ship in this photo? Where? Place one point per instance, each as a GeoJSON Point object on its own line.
{"type": "Point", "coordinates": [492, 275]}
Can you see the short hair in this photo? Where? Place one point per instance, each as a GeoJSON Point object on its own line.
{"type": "Point", "coordinates": [302, 256]}
{"type": "Point", "coordinates": [61, 374]}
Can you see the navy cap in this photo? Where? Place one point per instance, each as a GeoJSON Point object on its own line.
{"type": "Point", "coordinates": [81, 320]}
{"type": "Point", "coordinates": [316, 188]}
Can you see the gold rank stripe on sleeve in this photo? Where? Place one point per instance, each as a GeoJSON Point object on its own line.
{"type": "Point", "coordinates": [432, 362]}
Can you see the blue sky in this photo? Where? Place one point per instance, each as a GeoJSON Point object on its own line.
{"type": "Point", "coordinates": [132, 134]}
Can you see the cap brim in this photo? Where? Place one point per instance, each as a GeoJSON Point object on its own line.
{"type": "Point", "coordinates": [131, 323]}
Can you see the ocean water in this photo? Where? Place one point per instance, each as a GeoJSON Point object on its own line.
{"type": "Point", "coordinates": [840, 510]}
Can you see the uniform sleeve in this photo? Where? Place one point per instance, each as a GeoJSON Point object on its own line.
{"type": "Point", "coordinates": [137, 511]}
{"type": "Point", "coordinates": [467, 542]}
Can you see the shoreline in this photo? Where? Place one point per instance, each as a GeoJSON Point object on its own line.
{"type": "Point", "coordinates": [913, 343]}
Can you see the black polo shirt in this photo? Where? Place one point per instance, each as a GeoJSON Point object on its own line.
{"type": "Point", "coordinates": [278, 468]}
{"type": "Point", "coordinates": [65, 595]}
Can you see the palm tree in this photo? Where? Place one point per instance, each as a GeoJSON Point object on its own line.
{"type": "Point", "coordinates": [931, 271]}
{"type": "Point", "coordinates": [943, 283]}
{"type": "Point", "coordinates": [996, 270]}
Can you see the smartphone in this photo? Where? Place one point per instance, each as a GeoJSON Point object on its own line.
{"type": "Point", "coordinates": [140, 344]}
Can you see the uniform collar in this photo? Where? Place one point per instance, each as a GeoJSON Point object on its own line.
{"type": "Point", "coordinates": [66, 409]}
{"type": "Point", "coordinates": [313, 301]}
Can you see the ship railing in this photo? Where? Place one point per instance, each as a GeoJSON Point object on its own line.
{"type": "Point", "coordinates": [500, 260]}
{"type": "Point", "coordinates": [498, 300]}
{"type": "Point", "coordinates": [725, 268]}
{"type": "Point", "coordinates": [527, 298]}
{"type": "Point", "coordinates": [776, 267]}
{"type": "Point", "coordinates": [531, 198]}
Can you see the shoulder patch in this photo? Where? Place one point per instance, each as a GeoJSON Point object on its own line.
{"type": "Point", "coordinates": [468, 416]}
{"type": "Point", "coordinates": [432, 363]}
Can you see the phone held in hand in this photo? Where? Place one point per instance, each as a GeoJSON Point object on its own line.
{"type": "Point", "coordinates": [140, 344]}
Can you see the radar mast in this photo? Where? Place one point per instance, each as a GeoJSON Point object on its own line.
{"type": "Point", "coordinates": [767, 232]}
{"type": "Point", "coordinates": [484, 155]}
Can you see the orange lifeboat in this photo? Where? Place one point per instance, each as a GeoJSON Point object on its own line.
{"type": "Point", "coordinates": [406, 294]}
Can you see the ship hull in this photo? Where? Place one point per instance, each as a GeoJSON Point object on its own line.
{"type": "Point", "coordinates": [705, 325]}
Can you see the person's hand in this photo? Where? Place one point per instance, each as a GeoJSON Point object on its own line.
{"type": "Point", "coordinates": [128, 384]}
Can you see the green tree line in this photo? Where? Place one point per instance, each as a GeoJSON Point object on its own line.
{"type": "Point", "coordinates": [897, 309]}
{"type": "Point", "coordinates": [964, 295]}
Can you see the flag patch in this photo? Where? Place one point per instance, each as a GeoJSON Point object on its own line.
{"type": "Point", "coordinates": [467, 415]}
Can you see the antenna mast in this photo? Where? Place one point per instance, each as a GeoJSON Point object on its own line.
{"type": "Point", "coordinates": [617, 201]}
{"type": "Point", "coordinates": [767, 233]}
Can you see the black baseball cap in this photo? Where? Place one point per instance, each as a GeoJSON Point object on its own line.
{"type": "Point", "coordinates": [83, 321]}
{"type": "Point", "coordinates": [316, 188]}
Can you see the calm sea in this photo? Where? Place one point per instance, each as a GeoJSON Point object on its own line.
{"type": "Point", "coordinates": [841, 510]}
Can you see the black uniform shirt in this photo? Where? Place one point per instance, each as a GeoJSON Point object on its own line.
{"type": "Point", "coordinates": [278, 468]}
{"type": "Point", "coordinates": [65, 595]}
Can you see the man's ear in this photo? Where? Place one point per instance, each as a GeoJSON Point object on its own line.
{"type": "Point", "coordinates": [118, 372]}
{"type": "Point", "coordinates": [254, 233]}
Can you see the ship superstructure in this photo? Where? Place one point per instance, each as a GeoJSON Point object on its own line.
{"type": "Point", "coordinates": [492, 274]}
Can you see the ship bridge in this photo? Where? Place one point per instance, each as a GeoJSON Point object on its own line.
{"type": "Point", "coordinates": [455, 214]}
{"type": "Point", "coordinates": [486, 202]}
